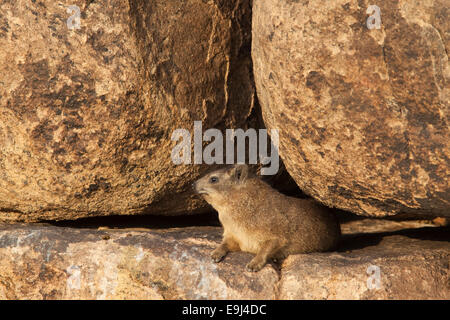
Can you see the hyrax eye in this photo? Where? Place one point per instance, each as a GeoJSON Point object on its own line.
{"type": "Point", "coordinates": [213, 179]}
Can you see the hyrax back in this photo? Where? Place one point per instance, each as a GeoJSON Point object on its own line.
{"type": "Point", "coordinates": [260, 220]}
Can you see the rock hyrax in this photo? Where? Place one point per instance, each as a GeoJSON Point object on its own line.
{"type": "Point", "coordinates": [260, 220]}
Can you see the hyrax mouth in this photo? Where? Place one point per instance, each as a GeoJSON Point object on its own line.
{"type": "Point", "coordinates": [201, 191]}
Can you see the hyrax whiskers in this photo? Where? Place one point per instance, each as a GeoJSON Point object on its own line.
{"type": "Point", "coordinates": [258, 219]}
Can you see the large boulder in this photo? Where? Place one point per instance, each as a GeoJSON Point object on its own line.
{"type": "Point", "coordinates": [53, 262]}
{"type": "Point", "coordinates": [87, 114]}
{"type": "Point", "coordinates": [362, 112]}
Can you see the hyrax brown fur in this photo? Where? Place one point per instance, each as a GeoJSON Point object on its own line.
{"type": "Point", "coordinates": [258, 219]}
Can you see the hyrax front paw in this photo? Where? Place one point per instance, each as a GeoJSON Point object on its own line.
{"type": "Point", "coordinates": [218, 254]}
{"type": "Point", "coordinates": [256, 264]}
{"type": "Point", "coordinates": [278, 257]}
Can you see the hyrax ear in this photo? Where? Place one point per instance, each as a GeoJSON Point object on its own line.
{"type": "Point", "coordinates": [239, 172]}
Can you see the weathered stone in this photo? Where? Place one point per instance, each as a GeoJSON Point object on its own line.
{"type": "Point", "coordinates": [362, 113]}
{"type": "Point", "coordinates": [413, 264]}
{"type": "Point", "coordinates": [50, 262]}
{"type": "Point", "coordinates": [44, 262]}
{"type": "Point", "coordinates": [86, 115]}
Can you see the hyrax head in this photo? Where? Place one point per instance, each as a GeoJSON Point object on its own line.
{"type": "Point", "coordinates": [221, 180]}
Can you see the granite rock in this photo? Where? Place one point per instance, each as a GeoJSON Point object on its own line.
{"type": "Point", "coordinates": [87, 114]}
{"type": "Point", "coordinates": [41, 261]}
{"type": "Point", "coordinates": [362, 112]}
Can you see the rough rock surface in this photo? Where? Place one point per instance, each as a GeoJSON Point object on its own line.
{"type": "Point", "coordinates": [49, 262]}
{"type": "Point", "coordinates": [86, 115]}
{"type": "Point", "coordinates": [363, 113]}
